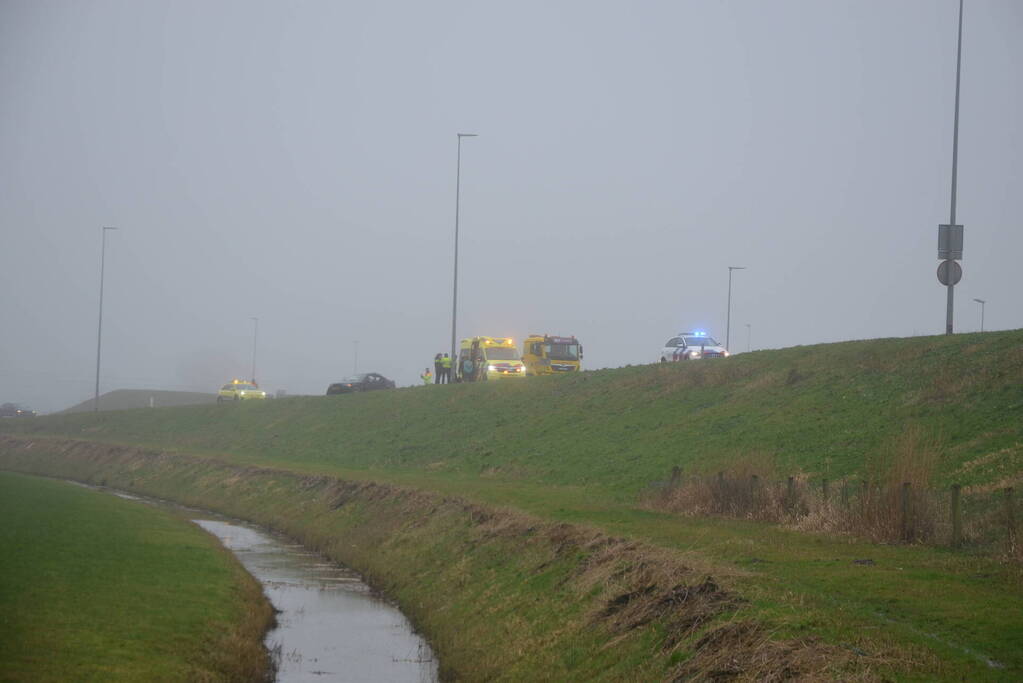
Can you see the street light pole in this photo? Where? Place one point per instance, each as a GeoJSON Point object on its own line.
{"type": "Point", "coordinates": [982, 302]}
{"type": "Point", "coordinates": [99, 334]}
{"type": "Point", "coordinates": [749, 337]}
{"type": "Point", "coordinates": [458, 187]}
{"type": "Point", "coordinates": [355, 361]}
{"type": "Point", "coordinates": [255, 337]}
{"type": "Point", "coordinates": [728, 317]}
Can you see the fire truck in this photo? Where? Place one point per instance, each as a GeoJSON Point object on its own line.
{"type": "Point", "coordinates": [487, 358]}
{"type": "Point", "coordinates": [544, 354]}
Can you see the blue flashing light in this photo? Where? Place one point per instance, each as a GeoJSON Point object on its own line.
{"type": "Point", "coordinates": [699, 333]}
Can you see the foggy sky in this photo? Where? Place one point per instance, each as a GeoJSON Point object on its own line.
{"type": "Point", "coordinates": [296, 162]}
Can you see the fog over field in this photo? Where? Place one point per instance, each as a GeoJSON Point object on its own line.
{"type": "Point", "coordinates": [295, 162]}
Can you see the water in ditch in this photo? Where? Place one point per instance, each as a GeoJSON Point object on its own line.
{"type": "Point", "coordinates": [330, 626]}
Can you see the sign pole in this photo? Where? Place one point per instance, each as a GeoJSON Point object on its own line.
{"type": "Point", "coordinates": [949, 304]}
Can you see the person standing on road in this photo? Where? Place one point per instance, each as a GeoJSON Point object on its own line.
{"type": "Point", "coordinates": [437, 371]}
{"type": "Point", "coordinates": [445, 370]}
{"type": "Point", "coordinates": [427, 377]}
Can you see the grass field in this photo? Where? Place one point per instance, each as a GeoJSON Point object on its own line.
{"type": "Point", "coordinates": [98, 588]}
{"type": "Point", "coordinates": [582, 449]}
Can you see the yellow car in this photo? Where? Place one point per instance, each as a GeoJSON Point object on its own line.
{"type": "Point", "coordinates": [239, 390]}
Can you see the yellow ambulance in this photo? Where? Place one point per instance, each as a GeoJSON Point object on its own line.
{"type": "Point", "coordinates": [239, 390]}
{"type": "Point", "coordinates": [486, 358]}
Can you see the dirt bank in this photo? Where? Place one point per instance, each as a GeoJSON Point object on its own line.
{"type": "Point", "coordinates": [499, 594]}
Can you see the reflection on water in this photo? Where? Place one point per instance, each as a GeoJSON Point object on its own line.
{"type": "Point", "coordinates": [330, 627]}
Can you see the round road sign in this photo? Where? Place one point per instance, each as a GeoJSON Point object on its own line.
{"type": "Point", "coordinates": [949, 273]}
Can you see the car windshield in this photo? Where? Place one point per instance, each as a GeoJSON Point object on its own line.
{"type": "Point", "coordinates": [241, 386]}
{"type": "Point", "coordinates": [700, 341]}
{"type": "Point", "coordinates": [354, 379]}
{"type": "Point", "coordinates": [562, 351]}
{"type": "Point", "coordinates": [502, 353]}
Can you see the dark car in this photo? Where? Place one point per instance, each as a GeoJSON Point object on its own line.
{"type": "Point", "coordinates": [366, 381]}
{"type": "Point", "coordinates": [14, 410]}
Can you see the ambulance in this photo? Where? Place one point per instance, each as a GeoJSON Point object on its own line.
{"type": "Point", "coordinates": [487, 358]}
{"type": "Point", "coordinates": [240, 390]}
{"type": "Point", "coordinates": [544, 354]}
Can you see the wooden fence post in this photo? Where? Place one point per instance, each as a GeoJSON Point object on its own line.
{"type": "Point", "coordinates": [790, 494]}
{"type": "Point", "coordinates": [1010, 520]}
{"type": "Point", "coordinates": [720, 496]}
{"type": "Point", "coordinates": [824, 489]}
{"type": "Point", "coordinates": [905, 511]}
{"type": "Point", "coordinates": [957, 520]}
{"type": "Point", "coordinates": [845, 493]}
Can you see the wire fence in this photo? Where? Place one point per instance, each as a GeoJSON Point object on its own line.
{"type": "Point", "coordinates": [880, 511]}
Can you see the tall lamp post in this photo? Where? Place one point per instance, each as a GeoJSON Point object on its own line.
{"type": "Point", "coordinates": [981, 302]}
{"type": "Point", "coordinates": [749, 337]}
{"type": "Point", "coordinates": [458, 187]}
{"type": "Point", "coordinates": [99, 334]}
{"type": "Point", "coordinates": [728, 317]}
{"type": "Point", "coordinates": [355, 357]}
{"type": "Point", "coordinates": [255, 337]}
{"type": "Point", "coordinates": [950, 237]}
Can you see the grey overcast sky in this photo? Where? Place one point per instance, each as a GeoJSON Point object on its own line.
{"type": "Point", "coordinates": [295, 161]}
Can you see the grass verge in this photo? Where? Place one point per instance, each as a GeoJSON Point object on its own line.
{"type": "Point", "coordinates": [98, 588]}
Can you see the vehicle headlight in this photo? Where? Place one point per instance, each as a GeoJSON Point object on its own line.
{"type": "Point", "coordinates": [725, 353]}
{"type": "Point", "coordinates": [241, 393]}
{"type": "Point", "coordinates": [491, 368]}
{"type": "Point", "coordinates": [694, 354]}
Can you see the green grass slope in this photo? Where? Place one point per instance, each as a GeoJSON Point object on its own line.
{"type": "Point", "coordinates": [828, 410]}
{"type": "Point", "coordinates": [98, 588]}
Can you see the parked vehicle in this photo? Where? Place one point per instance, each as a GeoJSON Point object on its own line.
{"type": "Point", "coordinates": [543, 354]}
{"type": "Point", "coordinates": [486, 358]}
{"type": "Point", "coordinates": [692, 346]}
{"type": "Point", "coordinates": [366, 381]}
{"type": "Point", "coordinates": [14, 410]}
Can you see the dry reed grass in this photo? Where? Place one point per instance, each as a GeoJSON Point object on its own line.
{"type": "Point", "coordinates": [893, 503]}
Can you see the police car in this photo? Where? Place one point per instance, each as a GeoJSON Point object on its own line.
{"type": "Point", "coordinates": [692, 346]}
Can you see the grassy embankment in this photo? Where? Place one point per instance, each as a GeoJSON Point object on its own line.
{"type": "Point", "coordinates": [580, 449]}
{"type": "Point", "coordinates": [98, 588]}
